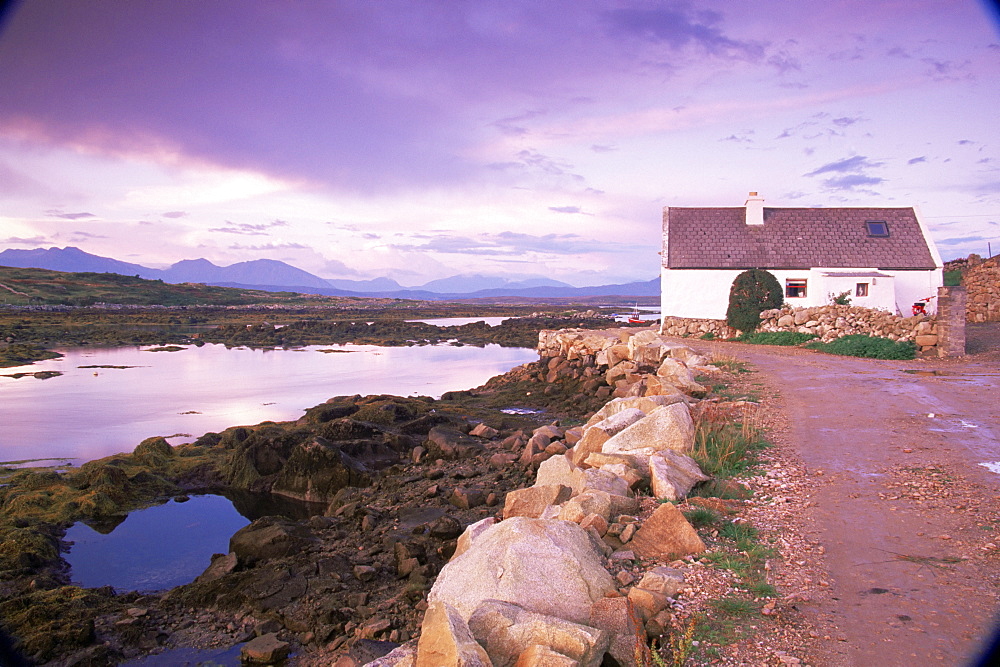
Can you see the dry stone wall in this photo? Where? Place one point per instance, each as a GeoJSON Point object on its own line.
{"type": "Point", "coordinates": [536, 588]}
{"type": "Point", "coordinates": [982, 286]}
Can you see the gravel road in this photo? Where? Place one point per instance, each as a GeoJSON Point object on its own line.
{"type": "Point", "coordinates": [907, 515]}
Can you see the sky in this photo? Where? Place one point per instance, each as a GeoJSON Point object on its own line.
{"type": "Point", "coordinates": [418, 140]}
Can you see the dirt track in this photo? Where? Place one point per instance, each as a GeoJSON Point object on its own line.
{"type": "Point", "coordinates": [908, 518]}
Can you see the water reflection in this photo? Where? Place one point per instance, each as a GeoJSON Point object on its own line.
{"type": "Point", "coordinates": [82, 416]}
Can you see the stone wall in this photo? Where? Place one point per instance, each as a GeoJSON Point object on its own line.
{"type": "Point", "coordinates": [982, 285]}
{"type": "Point", "coordinates": [826, 323]}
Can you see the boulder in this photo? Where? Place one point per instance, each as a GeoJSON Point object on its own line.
{"type": "Point", "coordinates": [264, 650]}
{"type": "Point", "coordinates": [595, 435]}
{"type": "Point", "coordinates": [507, 630]}
{"type": "Point", "coordinates": [401, 656]}
{"type": "Point", "coordinates": [448, 443]}
{"type": "Point", "coordinates": [269, 537]}
{"type": "Point", "coordinates": [445, 640]}
{"type": "Point", "coordinates": [532, 501]}
{"type": "Point", "coordinates": [472, 532]}
{"type": "Point", "coordinates": [316, 470]}
{"type": "Point", "coordinates": [677, 374]}
{"type": "Point", "coordinates": [537, 655]}
{"type": "Point", "coordinates": [504, 564]}
{"type": "Point", "coordinates": [644, 403]}
{"type": "Point", "coordinates": [672, 474]}
{"type": "Point", "coordinates": [221, 565]}
{"type": "Point", "coordinates": [669, 427]}
{"type": "Point", "coordinates": [664, 580]}
{"type": "Point", "coordinates": [560, 470]}
{"type": "Point", "coordinates": [484, 431]}
{"type": "Point", "coordinates": [622, 625]}
{"type": "Point", "coordinates": [595, 479]}
{"type": "Point", "coordinates": [577, 508]}
{"type": "Point", "coordinates": [666, 535]}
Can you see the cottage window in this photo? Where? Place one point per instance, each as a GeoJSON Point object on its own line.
{"type": "Point", "coordinates": [877, 228]}
{"type": "Point", "coordinates": [861, 289]}
{"type": "Point", "coordinates": [795, 288]}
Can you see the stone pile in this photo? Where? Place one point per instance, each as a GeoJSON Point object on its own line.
{"type": "Point", "coordinates": [982, 284]}
{"type": "Point", "coordinates": [535, 588]}
{"type": "Point", "coordinates": [833, 321]}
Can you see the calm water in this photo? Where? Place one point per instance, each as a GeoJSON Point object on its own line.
{"type": "Point", "coordinates": [458, 321]}
{"type": "Point", "coordinates": [134, 555]}
{"type": "Point", "coordinates": [89, 413]}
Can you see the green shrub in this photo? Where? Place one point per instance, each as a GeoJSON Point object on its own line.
{"type": "Point", "coordinates": [842, 299]}
{"type": "Point", "coordinates": [753, 292]}
{"type": "Point", "coordinates": [775, 337]}
{"type": "Point", "coordinates": [872, 347]}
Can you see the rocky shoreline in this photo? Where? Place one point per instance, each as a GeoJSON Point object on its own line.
{"type": "Point", "coordinates": [401, 480]}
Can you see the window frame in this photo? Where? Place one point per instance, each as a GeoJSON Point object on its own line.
{"type": "Point", "coordinates": [795, 285]}
{"type": "Point", "coordinates": [861, 290]}
{"type": "Point", "coordinates": [878, 229]}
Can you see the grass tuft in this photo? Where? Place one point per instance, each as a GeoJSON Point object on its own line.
{"type": "Point", "coordinates": [786, 338]}
{"type": "Point", "coordinates": [871, 347]}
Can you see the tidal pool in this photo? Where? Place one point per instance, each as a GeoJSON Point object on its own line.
{"type": "Point", "coordinates": [108, 400]}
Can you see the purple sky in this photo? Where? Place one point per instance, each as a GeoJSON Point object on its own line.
{"type": "Point", "coordinates": [418, 140]}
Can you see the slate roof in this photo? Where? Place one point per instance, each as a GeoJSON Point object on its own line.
{"type": "Point", "coordinates": [793, 238]}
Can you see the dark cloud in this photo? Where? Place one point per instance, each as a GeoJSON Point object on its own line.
{"type": "Point", "coordinates": [966, 142]}
{"type": "Point", "coordinates": [962, 239]}
{"type": "Point", "coordinates": [597, 148]}
{"type": "Point", "coordinates": [946, 70]}
{"type": "Point", "coordinates": [174, 214]}
{"type": "Point", "coordinates": [70, 216]}
{"type": "Point", "coordinates": [566, 209]}
{"type": "Point", "coordinates": [850, 165]}
{"type": "Point", "coordinates": [852, 181]}
{"type": "Point", "coordinates": [917, 160]}
{"type": "Point", "coordinates": [246, 229]}
{"type": "Point", "coordinates": [505, 244]}
{"type": "Point", "coordinates": [741, 138]}
{"type": "Point", "coordinates": [33, 241]}
{"type": "Point", "coordinates": [270, 246]}
{"type": "Point", "coordinates": [679, 26]}
{"type": "Point", "coordinates": [80, 235]}
{"type": "Point", "coordinates": [513, 125]}
{"type": "Point", "coordinates": [846, 121]}
{"type": "Point", "coordinates": [784, 63]}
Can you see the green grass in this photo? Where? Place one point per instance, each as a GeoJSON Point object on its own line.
{"type": "Point", "coordinates": [786, 338]}
{"type": "Point", "coordinates": [700, 517]}
{"type": "Point", "coordinates": [952, 278]}
{"type": "Point", "coordinates": [725, 447]}
{"type": "Point", "coordinates": [872, 347]}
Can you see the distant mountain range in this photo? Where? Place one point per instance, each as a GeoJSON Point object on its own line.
{"type": "Point", "coordinates": [275, 276]}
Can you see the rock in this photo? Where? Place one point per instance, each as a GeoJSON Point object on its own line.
{"type": "Point", "coordinates": [644, 403]}
{"type": "Point", "coordinates": [401, 656]}
{"type": "Point", "coordinates": [316, 470]}
{"type": "Point", "coordinates": [560, 470]}
{"type": "Point", "coordinates": [622, 625]}
{"type": "Point", "coordinates": [269, 537]}
{"type": "Point", "coordinates": [264, 650]}
{"type": "Point", "coordinates": [926, 339]}
{"type": "Point", "coordinates": [659, 625]}
{"type": "Point", "coordinates": [669, 427]}
{"type": "Point", "coordinates": [445, 640]}
{"type": "Point", "coordinates": [532, 501]}
{"type": "Point", "coordinates": [577, 508]}
{"type": "Point", "coordinates": [472, 532]}
{"type": "Point", "coordinates": [445, 528]}
{"type": "Point", "coordinates": [595, 521]}
{"type": "Point", "coordinates": [507, 630]}
{"type": "Point", "coordinates": [447, 443]}
{"type": "Point", "coordinates": [677, 374]}
{"type": "Point", "coordinates": [665, 580]}
{"type": "Point", "coordinates": [673, 475]}
{"type": "Point", "coordinates": [537, 655]}
{"type": "Point", "coordinates": [221, 565]}
{"type": "Point", "coordinates": [666, 535]}
{"type": "Point", "coordinates": [647, 603]}
{"type": "Point", "coordinates": [152, 452]}
{"type": "Point", "coordinates": [503, 564]}
{"type": "Point", "coordinates": [595, 479]}
{"type": "Point", "coordinates": [464, 498]}
{"type": "Point", "coordinates": [364, 572]}
{"type": "Point", "coordinates": [484, 431]}
{"type": "Point", "coordinates": [596, 435]}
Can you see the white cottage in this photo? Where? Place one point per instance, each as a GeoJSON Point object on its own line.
{"type": "Point", "coordinates": [882, 257]}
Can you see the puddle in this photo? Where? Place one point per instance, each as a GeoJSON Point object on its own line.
{"type": "Point", "coordinates": [939, 373]}
{"type": "Point", "coordinates": [520, 411]}
{"type": "Point", "coordinates": [182, 657]}
{"type": "Point", "coordinates": [168, 545]}
{"type": "Point", "coordinates": [992, 467]}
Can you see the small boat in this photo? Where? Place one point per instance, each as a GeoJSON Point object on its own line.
{"type": "Point", "coordinates": [634, 317]}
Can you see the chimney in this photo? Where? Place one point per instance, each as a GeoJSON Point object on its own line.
{"type": "Point", "coordinates": [755, 209]}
